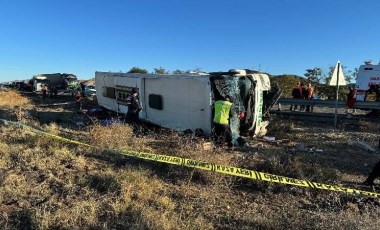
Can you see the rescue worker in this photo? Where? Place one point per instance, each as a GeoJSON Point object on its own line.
{"type": "Point", "coordinates": [309, 96]}
{"type": "Point", "coordinates": [134, 106]}
{"type": "Point", "coordinates": [44, 91]}
{"type": "Point", "coordinates": [78, 99]}
{"type": "Point", "coordinates": [296, 94]}
{"type": "Point", "coordinates": [223, 112]}
{"type": "Point", "coordinates": [351, 100]}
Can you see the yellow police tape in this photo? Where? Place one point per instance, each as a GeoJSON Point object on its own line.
{"type": "Point", "coordinates": [239, 172]}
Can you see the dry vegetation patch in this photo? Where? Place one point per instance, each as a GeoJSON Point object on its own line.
{"type": "Point", "coordinates": [12, 99]}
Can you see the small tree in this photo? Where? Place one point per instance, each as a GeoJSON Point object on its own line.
{"type": "Point", "coordinates": [160, 71]}
{"type": "Point", "coordinates": [314, 75]}
{"type": "Point", "coordinates": [286, 83]}
{"type": "Point", "coordinates": [197, 69]}
{"type": "Point", "coordinates": [138, 70]}
{"type": "Point", "coordinates": [349, 75]}
{"type": "Point", "coordinates": [177, 71]}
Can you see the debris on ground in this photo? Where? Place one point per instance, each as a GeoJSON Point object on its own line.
{"type": "Point", "coordinates": [207, 146]}
{"type": "Point", "coordinates": [271, 139]}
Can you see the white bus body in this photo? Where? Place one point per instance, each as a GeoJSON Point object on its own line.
{"type": "Point", "coordinates": [185, 102]}
{"type": "Point", "coordinates": [368, 74]}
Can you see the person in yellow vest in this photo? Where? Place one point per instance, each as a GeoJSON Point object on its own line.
{"type": "Point", "coordinates": [223, 112]}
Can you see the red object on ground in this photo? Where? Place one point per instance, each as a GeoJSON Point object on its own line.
{"type": "Point", "coordinates": [242, 115]}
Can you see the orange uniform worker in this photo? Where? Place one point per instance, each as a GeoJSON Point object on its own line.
{"type": "Point", "coordinates": [309, 96]}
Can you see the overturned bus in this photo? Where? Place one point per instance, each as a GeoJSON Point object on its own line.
{"type": "Point", "coordinates": [61, 81]}
{"type": "Point", "coordinates": [185, 101]}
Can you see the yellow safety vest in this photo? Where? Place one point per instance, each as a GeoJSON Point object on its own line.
{"type": "Point", "coordinates": [222, 112]}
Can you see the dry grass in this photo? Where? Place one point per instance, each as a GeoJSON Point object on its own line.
{"type": "Point", "coordinates": [11, 99]}
{"type": "Point", "coordinates": [116, 136]}
{"type": "Point", "coordinates": [46, 184]}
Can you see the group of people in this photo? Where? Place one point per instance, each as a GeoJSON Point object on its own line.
{"type": "Point", "coordinates": [301, 92]}
{"type": "Point", "coordinates": [79, 95]}
{"type": "Point", "coordinates": [53, 91]}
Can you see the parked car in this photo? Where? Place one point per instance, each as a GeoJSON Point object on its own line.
{"type": "Point", "coordinates": [89, 91]}
{"type": "Point", "coordinates": [5, 86]}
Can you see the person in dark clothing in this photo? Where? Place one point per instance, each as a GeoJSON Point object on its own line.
{"type": "Point", "coordinates": [223, 113]}
{"type": "Point", "coordinates": [296, 94]}
{"type": "Point", "coordinates": [53, 92]}
{"type": "Point", "coordinates": [375, 173]}
{"type": "Point", "coordinates": [44, 91]}
{"type": "Point", "coordinates": [134, 106]}
{"type": "Point", "coordinates": [304, 93]}
{"type": "Point", "coordinates": [351, 100]}
{"type": "Point", "coordinates": [82, 86]}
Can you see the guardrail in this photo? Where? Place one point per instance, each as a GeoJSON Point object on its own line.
{"type": "Point", "coordinates": [329, 103]}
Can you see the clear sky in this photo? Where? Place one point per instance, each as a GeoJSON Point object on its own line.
{"type": "Point", "coordinates": [275, 36]}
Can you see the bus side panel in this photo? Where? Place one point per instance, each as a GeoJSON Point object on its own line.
{"type": "Point", "coordinates": [102, 82]}
{"type": "Point", "coordinates": [186, 103]}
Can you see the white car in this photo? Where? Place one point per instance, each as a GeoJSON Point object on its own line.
{"type": "Point", "coordinates": [89, 91]}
